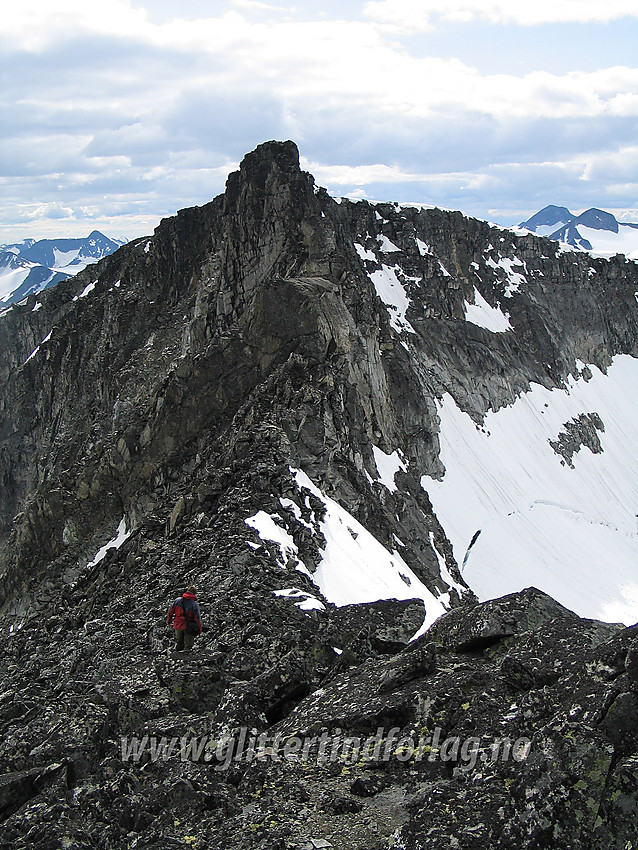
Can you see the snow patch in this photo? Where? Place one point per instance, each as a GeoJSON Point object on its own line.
{"type": "Point", "coordinates": [606, 243]}
{"type": "Point", "coordinates": [388, 466]}
{"type": "Point", "coordinates": [364, 253]}
{"type": "Point", "coordinates": [294, 507]}
{"type": "Point", "coordinates": [418, 205]}
{"type": "Point", "coordinates": [444, 572]}
{"type": "Point", "coordinates": [62, 259]}
{"type": "Point", "coordinates": [86, 291]}
{"type": "Point", "coordinates": [386, 246]}
{"type": "Point", "coordinates": [485, 316]}
{"type": "Point", "coordinates": [391, 291]}
{"type": "Point", "coordinates": [32, 355]}
{"type": "Point", "coordinates": [356, 568]}
{"type": "Point", "coordinates": [548, 229]}
{"type": "Point", "coordinates": [37, 348]}
{"type": "Point", "coordinates": [121, 536]}
{"type": "Point", "coordinates": [266, 527]}
{"type": "Point", "coordinates": [307, 602]}
{"type": "Point", "coordinates": [424, 249]}
{"type": "Point", "coordinates": [515, 278]}
{"type": "Point", "coordinates": [12, 280]}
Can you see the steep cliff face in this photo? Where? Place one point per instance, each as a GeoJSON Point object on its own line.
{"type": "Point", "coordinates": [266, 398]}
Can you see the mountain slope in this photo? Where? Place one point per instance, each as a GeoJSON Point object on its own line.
{"type": "Point", "coordinates": [308, 409]}
{"type": "Point", "coordinates": [593, 230]}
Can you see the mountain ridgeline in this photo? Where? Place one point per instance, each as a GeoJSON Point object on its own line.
{"type": "Point", "coordinates": [250, 401]}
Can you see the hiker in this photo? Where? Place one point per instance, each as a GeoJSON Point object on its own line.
{"type": "Point", "coordinates": [186, 619]}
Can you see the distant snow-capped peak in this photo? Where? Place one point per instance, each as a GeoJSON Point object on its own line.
{"type": "Point", "coordinates": [594, 230]}
{"type": "Point", "coordinates": [32, 266]}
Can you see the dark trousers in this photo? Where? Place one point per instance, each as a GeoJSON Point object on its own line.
{"type": "Point", "coordinates": [184, 641]}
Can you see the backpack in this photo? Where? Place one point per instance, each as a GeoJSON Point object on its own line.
{"type": "Point", "coordinates": [192, 626]}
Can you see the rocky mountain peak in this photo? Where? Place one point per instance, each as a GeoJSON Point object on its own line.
{"type": "Point", "coordinates": [598, 220]}
{"type": "Point", "coordinates": [273, 220]}
{"type": "Point", "coordinates": [282, 157]}
{"type": "Point", "coordinates": [264, 175]}
{"type": "Point", "coordinates": [550, 216]}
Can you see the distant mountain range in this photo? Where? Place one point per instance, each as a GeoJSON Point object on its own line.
{"type": "Point", "coordinates": [593, 230]}
{"type": "Point", "coordinates": [32, 266]}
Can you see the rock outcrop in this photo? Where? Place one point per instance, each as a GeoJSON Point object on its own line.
{"type": "Point", "coordinates": [247, 402]}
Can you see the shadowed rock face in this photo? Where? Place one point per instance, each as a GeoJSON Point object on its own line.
{"type": "Point", "coordinates": [177, 385]}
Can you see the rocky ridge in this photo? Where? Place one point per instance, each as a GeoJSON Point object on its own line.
{"type": "Point", "coordinates": [270, 352]}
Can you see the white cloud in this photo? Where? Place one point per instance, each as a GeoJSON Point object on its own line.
{"type": "Point", "coordinates": [53, 211]}
{"type": "Point", "coordinates": [344, 175]}
{"type": "Point", "coordinates": [254, 5]}
{"type": "Point", "coordinates": [115, 107]}
{"type": "Point", "coordinates": [608, 166]}
{"type": "Point", "coordinates": [33, 24]}
{"type": "Point", "coordinates": [412, 15]}
{"type": "Point", "coordinates": [325, 64]}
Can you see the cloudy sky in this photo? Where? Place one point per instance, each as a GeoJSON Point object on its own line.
{"type": "Point", "coordinates": [116, 113]}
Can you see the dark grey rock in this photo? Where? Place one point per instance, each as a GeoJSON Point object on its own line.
{"type": "Point", "coordinates": [466, 630]}
{"type": "Point", "coordinates": [580, 432]}
{"type": "Point", "coordinates": [368, 786]}
{"type": "Point", "coordinates": [621, 720]}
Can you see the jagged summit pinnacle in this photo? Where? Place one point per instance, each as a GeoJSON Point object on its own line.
{"type": "Point", "coordinates": [284, 154]}
{"type": "Point", "coordinates": [271, 163]}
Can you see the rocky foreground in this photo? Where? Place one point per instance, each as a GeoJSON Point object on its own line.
{"type": "Point", "coordinates": [232, 403]}
{"type": "Point", "coordinates": [512, 723]}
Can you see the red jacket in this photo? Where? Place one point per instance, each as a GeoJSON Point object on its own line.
{"type": "Point", "coordinates": [183, 610]}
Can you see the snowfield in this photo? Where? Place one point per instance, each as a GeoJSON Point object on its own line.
{"type": "Point", "coordinates": [569, 532]}
{"type": "Point", "coordinates": [606, 244]}
{"type": "Point", "coordinates": [355, 567]}
{"type": "Point", "coordinates": [12, 280]}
